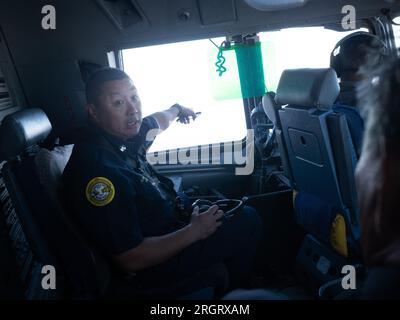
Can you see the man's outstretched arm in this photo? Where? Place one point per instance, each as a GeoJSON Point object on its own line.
{"type": "Point", "coordinates": [165, 118]}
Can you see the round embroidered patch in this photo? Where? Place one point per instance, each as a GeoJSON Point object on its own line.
{"type": "Point", "coordinates": [100, 191]}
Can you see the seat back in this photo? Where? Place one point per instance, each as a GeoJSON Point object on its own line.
{"type": "Point", "coordinates": [50, 166]}
{"type": "Point", "coordinates": [320, 149]}
{"type": "Point", "coordinates": [310, 153]}
{"type": "Point", "coordinates": [305, 129]}
{"type": "Point", "coordinates": [321, 156]}
{"type": "Point", "coordinates": [51, 236]}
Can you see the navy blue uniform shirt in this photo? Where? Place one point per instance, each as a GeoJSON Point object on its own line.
{"type": "Point", "coordinates": [113, 194]}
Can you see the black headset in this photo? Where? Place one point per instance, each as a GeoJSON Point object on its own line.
{"type": "Point", "coordinates": [340, 63]}
{"type": "Point", "coordinates": [229, 206]}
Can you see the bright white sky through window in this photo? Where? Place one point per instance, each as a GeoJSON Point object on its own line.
{"type": "Point", "coordinates": [396, 31]}
{"type": "Point", "coordinates": [185, 73]}
{"type": "Point", "coordinates": [297, 48]}
{"type": "Point", "coordinates": [181, 73]}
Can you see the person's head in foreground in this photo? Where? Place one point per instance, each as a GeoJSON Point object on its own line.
{"type": "Point", "coordinates": [113, 102]}
{"type": "Point", "coordinates": [378, 170]}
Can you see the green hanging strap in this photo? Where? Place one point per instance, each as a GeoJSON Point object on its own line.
{"type": "Point", "coordinates": [221, 60]}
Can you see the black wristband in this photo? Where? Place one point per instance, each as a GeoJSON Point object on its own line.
{"type": "Point", "coordinates": [179, 107]}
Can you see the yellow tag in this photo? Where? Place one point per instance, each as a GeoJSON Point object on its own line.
{"type": "Point", "coordinates": [338, 235]}
{"type": "Point", "coordinates": [100, 191]}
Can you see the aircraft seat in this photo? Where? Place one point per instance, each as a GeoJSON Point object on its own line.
{"type": "Point", "coordinates": [321, 157]}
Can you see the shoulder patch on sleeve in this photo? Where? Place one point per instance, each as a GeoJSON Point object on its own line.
{"type": "Point", "coordinates": [100, 191]}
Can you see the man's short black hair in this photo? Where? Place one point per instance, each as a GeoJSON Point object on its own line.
{"type": "Point", "coordinates": [98, 78]}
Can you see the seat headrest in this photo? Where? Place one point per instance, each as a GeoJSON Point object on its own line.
{"type": "Point", "coordinates": [270, 106]}
{"type": "Point", "coordinates": [21, 130]}
{"type": "Point", "coordinates": [308, 88]}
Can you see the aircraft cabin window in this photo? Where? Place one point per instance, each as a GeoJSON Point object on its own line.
{"type": "Point", "coordinates": [185, 73]}
{"type": "Point", "coordinates": [308, 47]}
{"type": "Point", "coordinates": [396, 31]}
